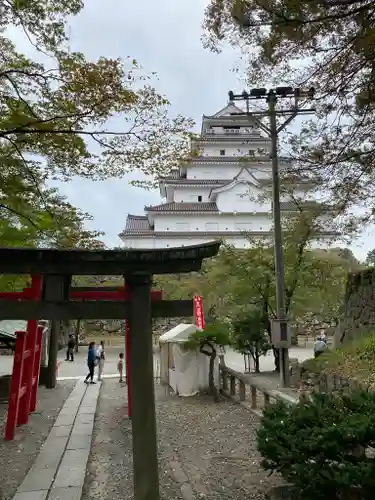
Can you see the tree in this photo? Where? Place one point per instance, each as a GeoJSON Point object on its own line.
{"type": "Point", "coordinates": [58, 119]}
{"type": "Point", "coordinates": [237, 280]}
{"type": "Point", "coordinates": [250, 336]}
{"type": "Point", "coordinates": [370, 259]}
{"type": "Point", "coordinates": [207, 341]}
{"type": "Point", "coordinates": [326, 44]}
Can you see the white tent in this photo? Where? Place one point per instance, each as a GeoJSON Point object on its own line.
{"type": "Point", "coordinates": [185, 371]}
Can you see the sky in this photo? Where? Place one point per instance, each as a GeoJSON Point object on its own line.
{"type": "Point", "coordinates": [163, 36]}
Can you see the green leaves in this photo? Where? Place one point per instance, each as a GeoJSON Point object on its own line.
{"type": "Point", "coordinates": [318, 445]}
{"type": "Point", "coordinates": [213, 335]}
{"type": "Point", "coordinates": [328, 46]}
{"type": "Point", "coordinates": [249, 333]}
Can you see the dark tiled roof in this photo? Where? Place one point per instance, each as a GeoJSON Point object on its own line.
{"type": "Point", "coordinates": [136, 223]}
{"type": "Point", "coordinates": [195, 181]}
{"type": "Point", "coordinates": [173, 174]}
{"type": "Point", "coordinates": [235, 159]}
{"type": "Point", "coordinates": [183, 207]}
{"type": "Point", "coordinates": [214, 234]}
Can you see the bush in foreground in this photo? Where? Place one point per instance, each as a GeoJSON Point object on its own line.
{"type": "Point", "coordinates": [322, 446]}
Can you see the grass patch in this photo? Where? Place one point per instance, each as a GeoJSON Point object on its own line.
{"type": "Point", "coordinates": [355, 360]}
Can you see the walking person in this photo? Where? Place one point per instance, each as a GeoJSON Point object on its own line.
{"type": "Point", "coordinates": [100, 356]}
{"type": "Point", "coordinates": [70, 349]}
{"type": "Point", "coordinates": [91, 362]}
{"type": "Point", "coordinates": [120, 365]}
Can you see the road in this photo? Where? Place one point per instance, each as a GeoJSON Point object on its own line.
{"type": "Point", "coordinates": [79, 368]}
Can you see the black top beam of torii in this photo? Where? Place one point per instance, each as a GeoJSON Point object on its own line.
{"type": "Point", "coordinates": [58, 267]}
{"type": "Point", "coordinates": [137, 267]}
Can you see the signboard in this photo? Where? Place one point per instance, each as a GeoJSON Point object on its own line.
{"type": "Point", "coordinates": [280, 333]}
{"type": "Point", "coordinates": [198, 311]}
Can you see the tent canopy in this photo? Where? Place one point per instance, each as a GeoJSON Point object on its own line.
{"type": "Point", "coordinates": [179, 333]}
{"type": "Point", "coordinates": [8, 328]}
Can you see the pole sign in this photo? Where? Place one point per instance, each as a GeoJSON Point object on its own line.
{"type": "Point", "coordinates": [198, 312]}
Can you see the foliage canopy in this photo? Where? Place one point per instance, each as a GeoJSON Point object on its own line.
{"type": "Point", "coordinates": [326, 44]}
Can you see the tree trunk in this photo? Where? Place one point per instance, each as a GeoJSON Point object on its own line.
{"type": "Point", "coordinates": [249, 362]}
{"type": "Point", "coordinates": [256, 360]}
{"type": "Point", "coordinates": [211, 377]}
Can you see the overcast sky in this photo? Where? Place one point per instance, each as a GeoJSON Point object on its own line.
{"type": "Point", "coordinates": [163, 36]}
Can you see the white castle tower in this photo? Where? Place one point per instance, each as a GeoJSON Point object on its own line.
{"type": "Point", "coordinates": [224, 192]}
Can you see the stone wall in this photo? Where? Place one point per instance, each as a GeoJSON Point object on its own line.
{"type": "Point", "coordinates": [358, 313]}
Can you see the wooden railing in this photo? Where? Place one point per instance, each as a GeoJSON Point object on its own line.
{"type": "Point", "coordinates": [251, 393]}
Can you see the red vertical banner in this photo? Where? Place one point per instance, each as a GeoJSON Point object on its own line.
{"type": "Point", "coordinates": [199, 312]}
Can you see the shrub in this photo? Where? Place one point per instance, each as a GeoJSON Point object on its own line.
{"type": "Point", "coordinates": [320, 446]}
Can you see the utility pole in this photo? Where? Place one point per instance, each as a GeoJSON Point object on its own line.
{"type": "Point", "coordinates": [280, 336]}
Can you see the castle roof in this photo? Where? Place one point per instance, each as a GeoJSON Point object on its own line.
{"type": "Point", "coordinates": [183, 207]}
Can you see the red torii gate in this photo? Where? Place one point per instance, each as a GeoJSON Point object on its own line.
{"type": "Point", "coordinates": [108, 293]}
{"type": "Point", "coordinates": [27, 357]}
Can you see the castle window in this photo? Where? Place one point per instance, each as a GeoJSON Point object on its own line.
{"type": "Point", "coordinates": [251, 152]}
{"type": "Point", "coordinates": [222, 152]}
{"type": "Point", "coordinates": [199, 198]}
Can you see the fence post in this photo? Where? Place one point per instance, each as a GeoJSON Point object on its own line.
{"type": "Point", "coordinates": [15, 388]}
{"type": "Point", "coordinates": [232, 385]}
{"type": "Point", "coordinates": [242, 392]}
{"type": "Point", "coordinates": [253, 397]}
{"type": "Point", "coordinates": [224, 379]}
{"type": "Point", "coordinates": [38, 357]}
{"type": "Point", "coordinates": [32, 293]}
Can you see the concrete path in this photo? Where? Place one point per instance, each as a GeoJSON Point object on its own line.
{"type": "Point", "coordinates": [59, 471]}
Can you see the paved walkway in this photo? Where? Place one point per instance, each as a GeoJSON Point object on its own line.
{"type": "Point", "coordinates": [59, 471]}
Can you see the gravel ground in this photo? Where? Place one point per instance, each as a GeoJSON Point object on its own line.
{"type": "Point", "coordinates": [17, 456]}
{"type": "Point", "coordinates": [206, 450]}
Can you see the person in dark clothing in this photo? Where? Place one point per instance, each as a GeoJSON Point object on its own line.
{"type": "Point", "coordinates": [70, 350]}
{"type": "Point", "coordinates": [91, 361]}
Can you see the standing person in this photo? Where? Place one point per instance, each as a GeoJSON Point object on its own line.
{"type": "Point", "coordinates": [120, 365]}
{"type": "Point", "coordinates": [100, 356]}
{"type": "Point", "coordinates": [70, 350]}
{"type": "Point", "coordinates": [91, 361]}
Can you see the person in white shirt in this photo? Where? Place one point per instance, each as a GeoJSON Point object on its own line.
{"type": "Point", "coordinates": [100, 356]}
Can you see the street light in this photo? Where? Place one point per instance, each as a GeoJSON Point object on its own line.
{"type": "Point", "coordinates": [271, 96]}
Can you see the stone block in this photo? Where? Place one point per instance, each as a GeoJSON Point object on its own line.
{"type": "Point", "coordinates": [69, 476]}
{"type": "Point", "coordinates": [82, 429]}
{"type": "Point", "coordinates": [85, 418]}
{"type": "Point", "coordinates": [66, 419]}
{"type": "Point", "coordinates": [38, 479]}
{"type": "Point", "coordinates": [61, 431]}
{"type": "Point", "coordinates": [31, 495]}
{"type": "Point", "coordinates": [87, 410]}
{"type": "Point", "coordinates": [75, 458]}
{"type": "Point", "coordinates": [78, 442]}
{"type": "Point", "coordinates": [54, 446]}
{"type": "Point", "coordinates": [69, 493]}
